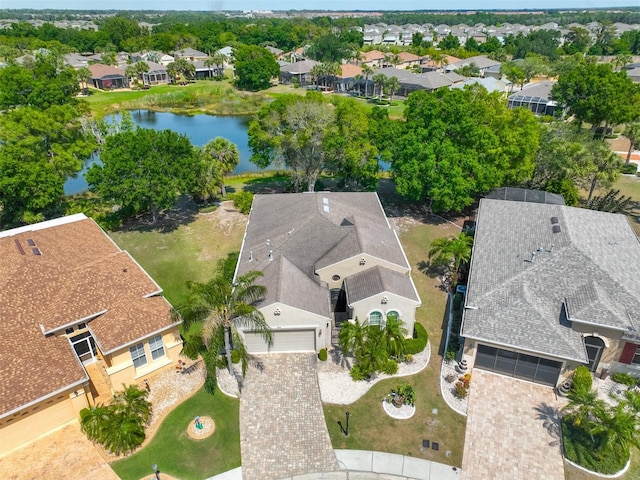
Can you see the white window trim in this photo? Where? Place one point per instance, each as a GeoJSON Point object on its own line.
{"type": "Point", "coordinates": [152, 350]}
{"type": "Point", "coordinates": [144, 355]}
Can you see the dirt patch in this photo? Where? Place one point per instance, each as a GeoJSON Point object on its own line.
{"type": "Point", "coordinates": [225, 217]}
{"type": "Point", "coordinates": [207, 427]}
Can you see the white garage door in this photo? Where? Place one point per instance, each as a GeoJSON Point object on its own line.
{"type": "Point", "coordinates": [283, 341]}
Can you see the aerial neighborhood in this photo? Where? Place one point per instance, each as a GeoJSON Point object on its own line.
{"type": "Point", "coordinates": [310, 244]}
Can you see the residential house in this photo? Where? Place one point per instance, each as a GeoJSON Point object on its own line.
{"type": "Point", "coordinates": [276, 52]}
{"type": "Point", "coordinates": [410, 82]}
{"type": "Point", "coordinates": [190, 54]}
{"type": "Point", "coordinates": [552, 287]}
{"type": "Point", "coordinates": [203, 70]}
{"type": "Point", "coordinates": [157, 74]}
{"type": "Point", "coordinates": [373, 58]}
{"type": "Point", "coordinates": [633, 74]}
{"type": "Point", "coordinates": [480, 61]}
{"type": "Point", "coordinates": [431, 65]}
{"type": "Point", "coordinates": [537, 98]}
{"type": "Point", "coordinates": [327, 258]}
{"type": "Point", "coordinates": [75, 60]}
{"type": "Point", "coordinates": [227, 53]}
{"type": "Point", "coordinates": [80, 318]}
{"type": "Point", "coordinates": [490, 84]}
{"type": "Point", "coordinates": [165, 59]}
{"type": "Point", "coordinates": [347, 79]}
{"type": "Point", "coordinates": [298, 71]}
{"type": "Point", "coordinates": [408, 60]}
{"type": "Point", "coordinates": [106, 77]}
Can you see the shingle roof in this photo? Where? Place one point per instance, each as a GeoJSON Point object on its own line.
{"type": "Point", "coordinates": [99, 70]}
{"type": "Point", "coordinates": [79, 275]}
{"type": "Point", "coordinates": [377, 280]}
{"type": "Point", "coordinates": [592, 264]}
{"type": "Point", "coordinates": [538, 89]}
{"type": "Point", "coordinates": [426, 81]}
{"type": "Point", "coordinates": [480, 61]}
{"type": "Point", "coordinates": [309, 236]}
{"type": "Point", "coordinates": [297, 68]}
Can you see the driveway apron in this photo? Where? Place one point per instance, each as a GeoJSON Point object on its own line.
{"type": "Point", "coordinates": [512, 430]}
{"type": "Point", "coordinates": [282, 426]}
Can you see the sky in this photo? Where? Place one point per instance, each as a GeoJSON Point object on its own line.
{"type": "Point", "coordinates": [314, 4]}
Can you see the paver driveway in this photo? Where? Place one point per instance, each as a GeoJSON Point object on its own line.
{"type": "Point", "coordinates": [512, 430]}
{"type": "Point", "coordinates": [282, 427]}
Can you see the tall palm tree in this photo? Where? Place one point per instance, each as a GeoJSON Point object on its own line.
{"type": "Point", "coordinates": [632, 132]}
{"type": "Point", "coordinates": [83, 74]}
{"type": "Point", "coordinates": [393, 85]}
{"type": "Point", "coordinates": [225, 155]}
{"type": "Point", "coordinates": [460, 249]}
{"type": "Point", "coordinates": [366, 72]}
{"type": "Point", "coordinates": [222, 308]}
{"type": "Point", "coordinates": [219, 59]}
{"type": "Point", "coordinates": [379, 80]}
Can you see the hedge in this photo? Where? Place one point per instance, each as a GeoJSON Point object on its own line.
{"type": "Point", "coordinates": [418, 342]}
{"type": "Point", "coordinates": [582, 381]}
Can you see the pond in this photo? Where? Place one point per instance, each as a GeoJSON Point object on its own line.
{"type": "Point", "coordinates": [199, 128]}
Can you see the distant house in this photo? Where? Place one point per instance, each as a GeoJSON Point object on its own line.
{"type": "Point", "coordinates": [157, 74]}
{"type": "Point", "coordinates": [106, 77]}
{"type": "Point", "coordinates": [552, 287]}
{"type": "Point", "coordinates": [276, 52]}
{"type": "Point", "coordinates": [190, 54]}
{"type": "Point", "coordinates": [165, 59]}
{"type": "Point", "coordinates": [300, 71]}
{"type": "Point", "coordinates": [431, 65]}
{"type": "Point", "coordinates": [80, 317]}
{"type": "Point", "coordinates": [207, 71]}
{"type": "Point", "coordinates": [536, 97]}
{"type": "Point", "coordinates": [374, 59]}
{"type": "Point", "coordinates": [327, 258]}
{"type": "Point", "coordinates": [410, 82]}
{"type": "Point", "coordinates": [490, 84]}
{"type": "Point", "coordinates": [75, 60]}
{"type": "Point", "coordinates": [480, 61]}
{"type": "Point", "coordinates": [408, 60]}
{"type": "Point", "coordinates": [227, 53]}
{"type": "Point", "coordinates": [347, 78]}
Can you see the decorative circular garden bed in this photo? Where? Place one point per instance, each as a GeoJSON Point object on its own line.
{"type": "Point", "coordinates": [201, 428]}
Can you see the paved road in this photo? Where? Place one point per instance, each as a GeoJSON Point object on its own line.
{"type": "Point", "coordinates": [282, 427]}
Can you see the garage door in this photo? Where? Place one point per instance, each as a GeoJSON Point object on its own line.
{"type": "Point", "coordinates": [303, 340]}
{"type": "Point", "coordinates": [518, 365]}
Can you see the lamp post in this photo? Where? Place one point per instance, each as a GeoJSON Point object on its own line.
{"type": "Point", "coordinates": [156, 471]}
{"type": "Point", "coordinates": [346, 430]}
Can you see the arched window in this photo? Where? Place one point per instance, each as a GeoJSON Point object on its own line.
{"type": "Point", "coordinates": [375, 318]}
{"type": "Point", "coordinates": [393, 315]}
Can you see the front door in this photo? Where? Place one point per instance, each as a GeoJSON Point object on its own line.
{"type": "Point", "coordinates": [595, 346]}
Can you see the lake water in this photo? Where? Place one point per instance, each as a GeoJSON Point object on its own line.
{"type": "Point", "coordinates": [199, 128]}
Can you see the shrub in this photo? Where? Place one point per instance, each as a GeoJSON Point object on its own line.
{"type": "Point", "coordinates": [357, 373]}
{"type": "Point", "coordinates": [242, 201]}
{"type": "Point", "coordinates": [629, 168]}
{"type": "Point", "coordinates": [322, 355]}
{"type": "Point", "coordinates": [235, 356]}
{"type": "Point", "coordinates": [582, 381]}
{"type": "Point", "coordinates": [406, 391]}
{"type": "Point", "coordinates": [461, 390]}
{"type": "Point", "coordinates": [457, 301]}
{"type": "Point", "coordinates": [418, 342]}
{"type": "Point", "coordinates": [625, 379]}
{"type": "Point", "coordinates": [390, 367]}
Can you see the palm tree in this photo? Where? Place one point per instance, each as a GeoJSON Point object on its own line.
{"type": "Point", "coordinates": [460, 248]}
{"type": "Point", "coordinates": [379, 80]}
{"type": "Point", "coordinates": [632, 132]}
{"type": "Point", "coordinates": [584, 407]}
{"type": "Point", "coordinates": [394, 336]}
{"type": "Point", "coordinates": [219, 59]}
{"type": "Point", "coordinates": [393, 85]}
{"type": "Point", "coordinates": [351, 337]}
{"type": "Point", "coordinates": [222, 308]}
{"type": "Point", "coordinates": [366, 71]}
{"type": "Point", "coordinates": [224, 154]}
{"type": "Point", "coordinates": [439, 253]}
{"type": "Point", "coordinates": [123, 434]}
{"type": "Point", "coordinates": [132, 401]}
{"type": "Point", "coordinates": [93, 421]}
{"type": "Point", "coordinates": [454, 252]}
{"type": "Point", "coordinates": [617, 427]}
{"type": "Point", "coordinates": [84, 74]}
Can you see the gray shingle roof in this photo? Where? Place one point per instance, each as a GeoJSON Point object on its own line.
{"type": "Point", "coordinates": [377, 280]}
{"type": "Point", "coordinates": [311, 231]}
{"type": "Point", "coordinates": [592, 264]}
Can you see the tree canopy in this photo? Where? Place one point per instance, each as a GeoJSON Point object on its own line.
{"type": "Point", "coordinates": [458, 144]}
{"type": "Point", "coordinates": [255, 67]}
{"type": "Point", "coordinates": [330, 48]}
{"type": "Point", "coordinates": [144, 170]}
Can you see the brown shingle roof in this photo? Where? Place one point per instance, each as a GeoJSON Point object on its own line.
{"type": "Point", "coordinates": [80, 273]}
{"type": "Point", "coordinates": [98, 70]}
{"type": "Point", "coordinates": [349, 71]}
{"type": "Point", "coordinates": [372, 56]}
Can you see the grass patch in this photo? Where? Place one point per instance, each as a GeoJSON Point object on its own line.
{"type": "Point", "coordinates": [369, 427]}
{"type": "Point", "coordinates": [178, 455]}
{"type": "Point", "coordinates": [572, 473]}
{"type": "Point", "coordinates": [630, 186]}
{"type": "Point", "coordinates": [188, 252]}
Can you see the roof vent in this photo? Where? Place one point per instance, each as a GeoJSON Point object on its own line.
{"type": "Point", "coordinates": [363, 261]}
{"type": "Point", "coordinates": [325, 202]}
{"type": "Point", "coordinates": [554, 220]}
{"type": "Point", "coordinates": [31, 242]}
{"type": "Point", "coordinates": [270, 254]}
{"type": "Point", "coordinates": [533, 257]}
{"type": "Point", "coordinates": [556, 229]}
{"type": "Point", "coordinates": [19, 247]}
{"type": "Point", "coordinates": [36, 251]}
{"type": "Point", "coordinates": [250, 255]}
{"type": "Point", "coordinates": [268, 242]}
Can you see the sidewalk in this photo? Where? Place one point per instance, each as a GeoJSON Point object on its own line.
{"type": "Point", "coordinates": [377, 465]}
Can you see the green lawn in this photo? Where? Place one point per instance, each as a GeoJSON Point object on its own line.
{"type": "Point", "coordinates": [178, 455]}
{"type": "Point", "coordinates": [369, 427]}
{"type": "Point", "coordinates": [630, 186]}
{"type": "Point", "coordinates": [188, 251]}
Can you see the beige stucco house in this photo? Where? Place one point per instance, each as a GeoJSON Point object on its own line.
{"type": "Point", "coordinates": [552, 287]}
{"type": "Point", "coordinates": [327, 258]}
{"type": "Point", "coordinates": [80, 319]}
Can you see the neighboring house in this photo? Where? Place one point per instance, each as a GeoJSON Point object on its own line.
{"type": "Point", "coordinates": [80, 318]}
{"type": "Point", "coordinates": [536, 97]}
{"type": "Point", "coordinates": [552, 287]}
{"type": "Point", "coordinates": [157, 74]}
{"type": "Point", "coordinates": [207, 71]}
{"type": "Point", "coordinates": [227, 53]}
{"type": "Point", "coordinates": [327, 258]}
{"type": "Point", "coordinates": [490, 84]}
{"type": "Point", "coordinates": [301, 71]}
{"type": "Point", "coordinates": [430, 65]}
{"type": "Point", "coordinates": [190, 54]}
{"type": "Point", "coordinates": [493, 72]}
{"type": "Point", "coordinates": [276, 52]}
{"type": "Point", "coordinates": [106, 77]}
{"type": "Point", "coordinates": [75, 60]}
{"type": "Point", "coordinates": [165, 59]}
{"type": "Point", "coordinates": [410, 82]}
{"type": "Point", "coordinates": [374, 59]}
{"type": "Point", "coordinates": [408, 60]}
{"type": "Point", "coordinates": [347, 79]}
{"type": "Point", "coordinates": [480, 61]}
{"type": "Point", "coordinates": [634, 74]}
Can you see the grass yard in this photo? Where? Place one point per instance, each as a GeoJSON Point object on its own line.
{"type": "Point", "coordinates": [369, 427]}
{"type": "Point", "coordinates": [629, 185]}
{"type": "Point", "coordinates": [178, 455]}
{"type": "Point", "coordinates": [572, 473]}
{"type": "Point", "coordinates": [186, 250]}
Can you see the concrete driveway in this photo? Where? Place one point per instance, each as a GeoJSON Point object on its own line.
{"type": "Point", "coordinates": [512, 430]}
{"type": "Point", "coordinates": [282, 427]}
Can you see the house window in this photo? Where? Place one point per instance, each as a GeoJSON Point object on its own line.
{"type": "Point", "coordinates": [393, 315]}
{"type": "Point", "coordinates": [137, 355]}
{"type": "Point", "coordinates": [636, 357]}
{"type": "Point", "coordinates": [375, 318]}
{"type": "Point", "coordinates": [156, 347]}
